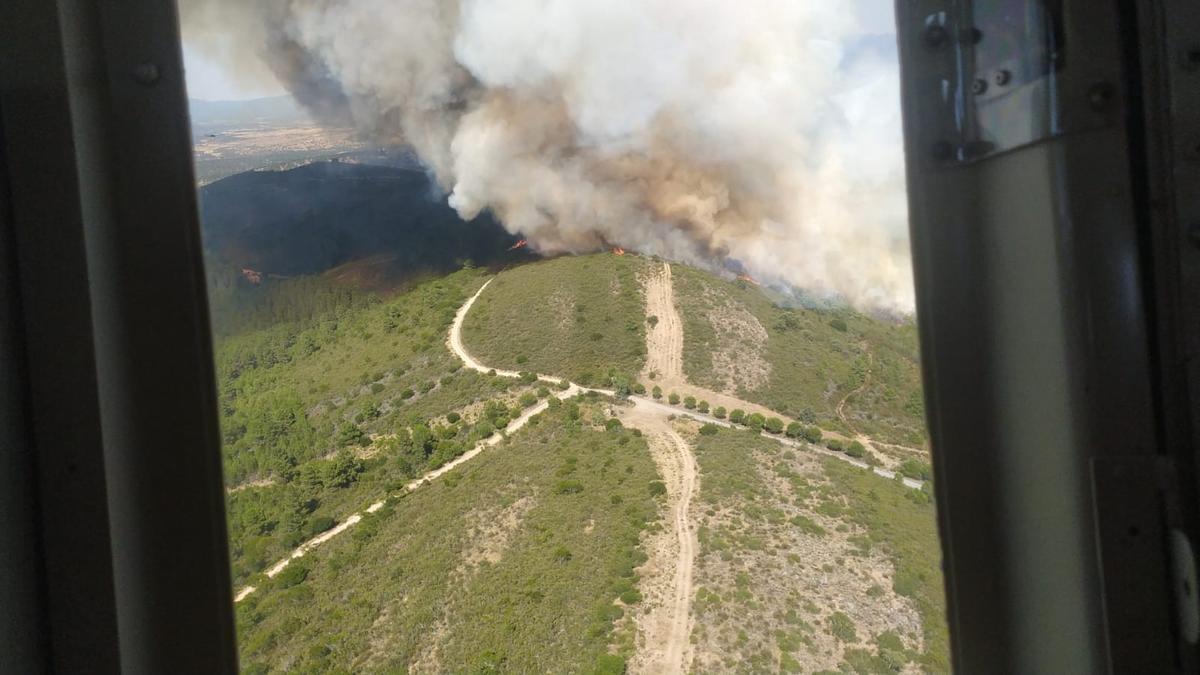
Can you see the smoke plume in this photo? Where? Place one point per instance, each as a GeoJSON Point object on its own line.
{"type": "Point", "coordinates": [764, 132]}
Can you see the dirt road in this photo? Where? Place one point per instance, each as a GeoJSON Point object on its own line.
{"type": "Point", "coordinates": [664, 340]}
{"type": "Point", "coordinates": [664, 626]}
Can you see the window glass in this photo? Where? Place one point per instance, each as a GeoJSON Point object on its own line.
{"type": "Point", "coordinates": [565, 336]}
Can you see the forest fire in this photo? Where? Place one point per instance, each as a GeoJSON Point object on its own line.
{"type": "Point", "coordinates": [519, 244]}
{"type": "Point", "coordinates": [748, 279]}
{"type": "Point", "coordinates": [252, 276]}
{"type": "Point", "coordinates": [617, 250]}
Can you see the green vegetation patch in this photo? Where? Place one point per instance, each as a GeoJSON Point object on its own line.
{"type": "Point", "coordinates": [397, 591]}
{"type": "Point", "coordinates": [816, 357]}
{"type": "Point", "coordinates": [580, 317]}
{"type": "Point", "coordinates": [906, 528]}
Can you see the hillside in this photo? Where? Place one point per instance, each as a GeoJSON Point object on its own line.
{"type": "Point", "coordinates": [577, 317]}
{"type": "Point", "coordinates": [398, 500]}
{"type": "Point", "coordinates": [512, 564]}
{"type": "Point", "coordinates": [807, 564]}
{"type": "Point", "coordinates": [584, 316]}
{"type": "Point", "coordinates": [322, 215]}
{"type": "Point", "coordinates": [802, 363]}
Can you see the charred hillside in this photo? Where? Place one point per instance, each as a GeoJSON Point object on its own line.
{"type": "Point", "coordinates": [324, 215]}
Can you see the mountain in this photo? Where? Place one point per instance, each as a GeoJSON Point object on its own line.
{"type": "Point", "coordinates": [327, 214]}
{"type": "Point", "coordinates": [458, 517]}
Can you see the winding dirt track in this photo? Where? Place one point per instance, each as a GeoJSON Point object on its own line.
{"type": "Point", "coordinates": [678, 640]}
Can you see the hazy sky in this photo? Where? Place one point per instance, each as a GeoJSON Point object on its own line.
{"type": "Point", "coordinates": [209, 80]}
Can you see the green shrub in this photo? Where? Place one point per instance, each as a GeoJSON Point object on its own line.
{"type": "Point", "coordinates": [673, 399]}
{"type": "Point", "coordinates": [856, 449]}
{"type": "Point", "coordinates": [610, 664]}
{"type": "Point", "coordinates": [702, 406]}
{"type": "Point", "coordinates": [835, 445]}
{"type": "Point", "coordinates": [639, 388]}
{"type": "Point", "coordinates": [631, 597]}
{"type": "Point", "coordinates": [543, 392]}
{"type": "Point", "coordinates": [318, 525]}
{"type": "Point", "coordinates": [719, 413]}
{"type": "Point", "coordinates": [812, 434]}
{"type": "Point", "coordinates": [709, 430]}
{"type": "Point", "coordinates": [656, 392]}
{"type": "Point", "coordinates": [794, 430]}
{"type": "Point", "coordinates": [842, 627]}
{"type": "Point", "coordinates": [689, 402]}
{"type": "Point", "coordinates": [755, 421]}
{"type": "Point", "coordinates": [407, 394]}
{"type": "Point", "coordinates": [839, 325]}
{"type": "Point", "coordinates": [352, 435]}
{"type": "Point", "coordinates": [737, 416]}
{"type": "Point", "coordinates": [773, 425]}
{"type": "Point", "coordinates": [484, 429]}
{"type": "Point", "coordinates": [568, 487]}
{"type": "Point", "coordinates": [807, 525]}
{"type": "Point", "coordinates": [453, 417]}
{"type": "Point", "coordinates": [657, 488]}
{"type": "Point", "coordinates": [295, 573]}
{"type": "Point", "coordinates": [527, 399]}
{"type": "Point", "coordinates": [562, 554]}
{"type": "Point", "coordinates": [916, 469]}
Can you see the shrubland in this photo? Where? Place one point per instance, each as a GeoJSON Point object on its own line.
{"type": "Point", "coordinates": [520, 561]}
{"type": "Point", "coordinates": [801, 362]}
{"type": "Point", "coordinates": [579, 317]}
{"type": "Point", "coordinates": [794, 547]}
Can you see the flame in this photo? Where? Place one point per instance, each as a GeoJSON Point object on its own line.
{"type": "Point", "coordinates": [617, 250]}
{"type": "Point", "coordinates": [748, 278]}
{"type": "Point", "coordinates": [252, 276]}
{"type": "Point", "coordinates": [519, 244]}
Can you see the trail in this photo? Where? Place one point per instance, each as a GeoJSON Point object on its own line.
{"type": "Point", "coordinates": [665, 623]}
{"type": "Point", "coordinates": [664, 340]}
{"type": "Point", "coordinates": [841, 406]}
{"type": "Point", "coordinates": [679, 638]}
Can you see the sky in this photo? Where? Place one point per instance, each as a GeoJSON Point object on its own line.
{"type": "Point", "coordinates": [212, 81]}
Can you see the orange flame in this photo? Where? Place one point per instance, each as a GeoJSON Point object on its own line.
{"type": "Point", "coordinates": [252, 276]}
{"type": "Point", "coordinates": [519, 244]}
{"type": "Point", "coordinates": [748, 278]}
{"type": "Point", "coordinates": [617, 250]}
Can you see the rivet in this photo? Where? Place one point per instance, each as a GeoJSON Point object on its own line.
{"type": "Point", "coordinates": [979, 86]}
{"type": "Point", "coordinates": [146, 73]}
{"type": "Point", "coordinates": [1002, 77]}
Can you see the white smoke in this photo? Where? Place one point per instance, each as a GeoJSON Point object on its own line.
{"type": "Point", "coordinates": [763, 131]}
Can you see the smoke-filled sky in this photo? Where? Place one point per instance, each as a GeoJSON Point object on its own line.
{"type": "Point", "coordinates": [760, 133]}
